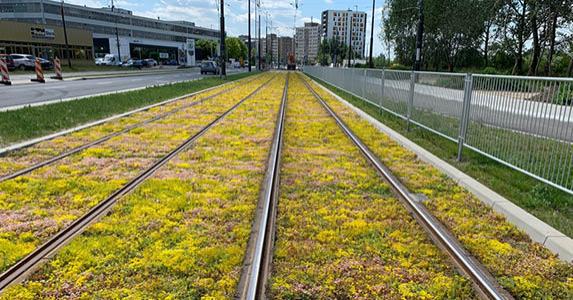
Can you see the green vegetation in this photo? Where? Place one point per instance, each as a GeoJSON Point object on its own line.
{"type": "Point", "coordinates": [525, 268]}
{"type": "Point", "coordinates": [182, 234]}
{"type": "Point", "coordinates": [31, 122]}
{"type": "Point", "coordinates": [341, 234]}
{"type": "Point", "coordinates": [545, 202]}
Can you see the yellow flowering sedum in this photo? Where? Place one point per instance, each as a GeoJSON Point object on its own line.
{"type": "Point", "coordinates": [525, 268]}
{"type": "Point", "coordinates": [183, 233]}
{"type": "Point", "coordinates": [35, 206]}
{"type": "Point", "coordinates": [340, 232]}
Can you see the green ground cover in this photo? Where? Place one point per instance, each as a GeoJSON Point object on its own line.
{"type": "Point", "coordinates": [549, 204]}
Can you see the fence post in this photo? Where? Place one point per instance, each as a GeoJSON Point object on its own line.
{"type": "Point", "coordinates": [381, 93]}
{"type": "Point", "coordinates": [364, 84]}
{"type": "Point", "coordinates": [411, 98]}
{"type": "Point", "coordinates": [464, 120]}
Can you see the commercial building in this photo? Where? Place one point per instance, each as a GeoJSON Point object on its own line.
{"type": "Point", "coordinates": [285, 47]}
{"type": "Point", "coordinates": [45, 42]}
{"type": "Point", "coordinates": [347, 26]}
{"type": "Point", "coordinates": [307, 41]}
{"type": "Point", "coordinates": [116, 31]}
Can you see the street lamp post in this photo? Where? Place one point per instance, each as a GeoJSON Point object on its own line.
{"type": "Point", "coordinates": [250, 47]}
{"type": "Point", "coordinates": [66, 36]}
{"type": "Point", "coordinates": [419, 36]}
{"type": "Point", "coordinates": [372, 34]}
{"type": "Point", "coordinates": [223, 56]}
{"type": "Point", "coordinates": [116, 33]}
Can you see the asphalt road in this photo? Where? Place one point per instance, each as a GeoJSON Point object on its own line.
{"type": "Point", "coordinates": [24, 94]}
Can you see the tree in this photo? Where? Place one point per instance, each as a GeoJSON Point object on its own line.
{"type": "Point", "coordinates": [205, 49]}
{"type": "Point", "coordinates": [236, 48]}
{"type": "Point", "coordinates": [332, 51]}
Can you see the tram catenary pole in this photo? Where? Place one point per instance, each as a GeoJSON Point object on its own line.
{"type": "Point", "coordinates": [223, 55]}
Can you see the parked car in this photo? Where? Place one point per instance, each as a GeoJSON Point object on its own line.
{"type": "Point", "coordinates": [23, 61]}
{"type": "Point", "coordinates": [46, 64]}
{"type": "Point", "coordinates": [99, 61]}
{"type": "Point", "coordinates": [111, 60]}
{"type": "Point", "coordinates": [236, 64]}
{"type": "Point", "coordinates": [150, 62]}
{"type": "Point", "coordinates": [127, 63]}
{"type": "Point", "coordinates": [9, 61]}
{"type": "Point", "coordinates": [209, 66]}
{"type": "Point", "coordinates": [139, 64]}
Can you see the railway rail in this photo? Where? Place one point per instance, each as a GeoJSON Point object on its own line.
{"type": "Point", "coordinates": [105, 138]}
{"type": "Point", "coordinates": [257, 264]}
{"type": "Point", "coordinates": [484, 283]}
{"type": "Point", "coordinates": [29, 263]}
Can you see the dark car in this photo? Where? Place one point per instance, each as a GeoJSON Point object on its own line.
{"type": "Point", "coordinates": [46, 64]}
{"type": "Point", "coordinates": [9, 61]}
{"type": "Point", "coordinates": [209, 67]}
{"type": "Point", "coordinates": [139, 64]}
{"type": "Point", "coordinates": [150, 62]}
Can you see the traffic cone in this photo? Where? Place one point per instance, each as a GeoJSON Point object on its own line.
{"type": "Point", "coordinates": [39, 72]}
{"type": "Point", "coordinates": [5, 74]}
{"type": "Point", "coordinates": [58, 69]}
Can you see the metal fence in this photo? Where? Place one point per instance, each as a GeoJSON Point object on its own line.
{"type": "Point", "coordinates": [525, 123]}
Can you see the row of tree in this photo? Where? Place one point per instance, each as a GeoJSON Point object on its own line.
{"type": "Point", "coordinates": [533, 37]}
{"type": "Point", "coordinates": [207, 49]}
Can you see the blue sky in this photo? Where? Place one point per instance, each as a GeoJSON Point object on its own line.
{"type": "Point", "coordinates": [205, 13]}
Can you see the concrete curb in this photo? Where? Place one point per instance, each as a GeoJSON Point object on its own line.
{"type": "Point", "coordinates": [98, 122]}
{"type": "Point", "coordinates": [538, 230]}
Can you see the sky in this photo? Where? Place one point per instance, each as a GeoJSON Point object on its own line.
{"type": "Point", "coordinates": [281, 13]}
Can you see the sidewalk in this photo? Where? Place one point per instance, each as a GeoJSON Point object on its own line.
{"type": "Point", "coordinates": [19, 79]}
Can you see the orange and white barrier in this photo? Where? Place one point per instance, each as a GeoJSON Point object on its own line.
{"type": "Point", "coordinates": [58, 69]}
{"type": "Point", "coordinates": [5, 74]}
{"type": "Point", "coordinates": [39, 72]}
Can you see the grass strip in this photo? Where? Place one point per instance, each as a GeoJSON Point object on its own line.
{"type": "Point", "coordinates": [340, 232]}
{"type": "Point", "coordinates": [31, 122]}
{"type": "Point", "coordinates": [182, 234]}
{"type": "Point", "coordinates": [525, 268]}
{"type": "Point", "coordinates": [35, 206]}
{"type": "Point", "coordinates": [547, 203]}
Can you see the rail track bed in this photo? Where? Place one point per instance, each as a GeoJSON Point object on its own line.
{"type": "Point", "coordinates": [271, 189]}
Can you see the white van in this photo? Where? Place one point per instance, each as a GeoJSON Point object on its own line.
{"type": "Point", "coordinates": [111, 60]}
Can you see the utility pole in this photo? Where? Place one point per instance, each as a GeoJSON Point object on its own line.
{"type": "Point", "coordinates": [116, 33]}
{"type": "Point", "coordinates": [223, 53]}
{"type": "Point", "coordinates": [250, 47]}
{"type": "Point", "coordinates": [350, 37]}
{"type": "Point", "coordinates": [372, 34]}
{"type": "Point", "coordinates": [259, 52]}
{"type": "Point", "coordinates": [266, 36]}
{"type": "Point", "coordinates": [66, 36]}
{"type": "Point", "coordinates": [419, 36]}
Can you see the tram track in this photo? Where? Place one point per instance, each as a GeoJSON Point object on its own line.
{"type": "Point", "coordinates": [258, 258]}
{"type": "Point", "coordinates": [105, 138]}
{"type": "Point", "coordinates": [29, 263]}
{"type": "Point", "coordinates": [484, 283]}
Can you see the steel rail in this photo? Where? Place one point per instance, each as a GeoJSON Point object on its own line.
{"type": "Point", "coordinates": [27, 264]}
{"type": "Point", "coordinates": [110, 136]}
{"type": "Point", "coordinates": [484, 282]}
{"type": "Point", "coordinates": [255, 273]}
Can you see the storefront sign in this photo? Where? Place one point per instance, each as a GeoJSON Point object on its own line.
{"type": "Point", "coordinates": [163, 55]}
{"type": "Point", "coordinates": [42, 33]}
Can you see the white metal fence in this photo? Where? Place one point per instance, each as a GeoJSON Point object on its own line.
{"type": "Point", "coordinates": [525, 123]}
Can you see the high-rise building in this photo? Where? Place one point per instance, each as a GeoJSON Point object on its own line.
{"type": "Point", "coordinates": [272, 47]}
{"type": "Point", "coordinates": [340, 23]}
{"type": "Point", "coordinates": [307, 41]}
{"type": "Point", "coordinates": [285, 47]}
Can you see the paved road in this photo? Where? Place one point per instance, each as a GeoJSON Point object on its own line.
{"type": "Point", "coordinates": [33, 93]}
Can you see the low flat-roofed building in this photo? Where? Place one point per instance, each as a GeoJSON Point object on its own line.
{"type": "Point", "coordinates": [136, 36]}
{"type": "Point", "coordinates": [45, 41]}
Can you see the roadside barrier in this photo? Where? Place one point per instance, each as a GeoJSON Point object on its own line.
{"type": "Point", "coordinates": [5, 74]}
{"type": "Point", "coordinates": [39, 72]}
{"type": "Point", "coordinates": [58, 69]}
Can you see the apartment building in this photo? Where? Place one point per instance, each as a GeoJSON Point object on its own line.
{"type": "Point", "coordinates": [307, 42]}
{"type": "Point", "coordinates": [347, 26]}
